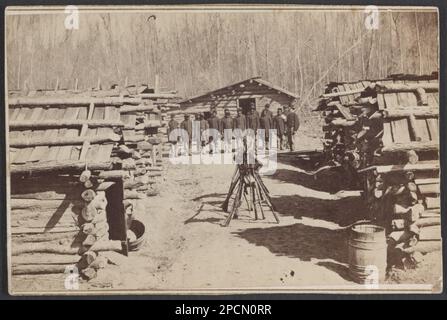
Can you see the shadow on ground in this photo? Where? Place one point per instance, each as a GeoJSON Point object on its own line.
{"type": "Point", "coordinates": [330, 181]}
{"type": "Point", "coordinates": [317, 236]}
{"type": "Point", "coordinates": [300, 241]}
{"type": "Point", "coordinates": [342, 212]}
{"type": "Point", "coordinates": [213, 200]}
{"type": "Point", "coordinates": [291, 158]}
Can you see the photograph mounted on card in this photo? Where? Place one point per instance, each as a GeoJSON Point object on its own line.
{"type": "Point", "coordinates": [223, 149]}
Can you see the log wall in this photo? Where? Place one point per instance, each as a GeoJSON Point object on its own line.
{"type": "Point", "coordinates": [54, 224]}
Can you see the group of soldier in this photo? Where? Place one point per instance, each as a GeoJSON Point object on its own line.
{"type": "Point", "coordinates": [285, 122]}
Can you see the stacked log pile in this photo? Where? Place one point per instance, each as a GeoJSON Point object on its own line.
{"type": "Point", "coordinates": [385, 134]}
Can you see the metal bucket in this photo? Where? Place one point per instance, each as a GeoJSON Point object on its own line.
{"type": "Point", "coordinates": [139, 229]}
{"type": "Point", "coordinates": [367, 253]}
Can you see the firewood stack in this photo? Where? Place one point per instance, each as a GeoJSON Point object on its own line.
{"type": "Point", "coordinates": [92, 222]}
{"type": "Point", "coordinates": [351, 130]}
{"type": "Point", "coordinates": [385, 134]}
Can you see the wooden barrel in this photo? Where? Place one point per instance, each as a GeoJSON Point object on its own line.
{"type": "Point", "coordinates": [367, 250]}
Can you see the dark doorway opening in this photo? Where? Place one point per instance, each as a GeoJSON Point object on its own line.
{"type": "Point", "coordinates": [115, 212]}
{"type": "Point", "coordinates": [244, 104]}
{"type": "Point", "coordinates": [206, 115]}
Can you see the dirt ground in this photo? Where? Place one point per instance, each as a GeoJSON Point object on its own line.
{"type": "Point", "coordinates": [187, 248]}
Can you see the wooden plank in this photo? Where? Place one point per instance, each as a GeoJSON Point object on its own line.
{"type": "Point", "coordinates": [432, 188]}
{"type": "Point", "coordinates": [92, 153]}
{"type": "Point", "coordinates": [422, 129]}
{"type": "Point", "coordinates": [97, 114]}
{"type": "Point", "coordinates": [343, 98]}
{"type": "Point", "coordinates": [435, 98]}
{"type": "Point", "coordinates": [432, 98]}
{"type": "Point", "coordinates": [426, 181]}
{"type": "Point", "coordinates": [40, 153]}
{"type": "Point", "coordinates": [422, 165]}
{"type": "Point", "coordinates": [13, 113]}
{"type": "Point", "coordinates": [63, 123]}
{"type": "Point", "coordinates": [411, 99]}
{"type": "Point", "coordinates": [365, 83]}
{"type": "Point", "coordinates": [349, 98]}
{"type": "Point", "coordinates": [433, 202]}
{"type": "Point", "coordinates": [57, 166]}
{"type": "Point", "coordinates": [53, 150]}
{"type": "Point", "coordinates": [130, 120]}
{"type": "Point", "coordinates": [12, 154]}
{"type": "Point", "coordinates": [23, 154]}
{"type": "Point", "coordinates": [128, 135]}
{"type": "Point", "coordinates": [64, 101]}
{"type": "Point", "coordinates": [430, 233]}
{"type": "Point", "coordinates": [419, 112]}
{"type": "Point", "coordinates": [83, 112]}
{"type": "Point", "coordinates": [64, 141]}
{"type": "Point", "coordinates": [65, 151]}
{"type": "Point", "coordinates": [381, 101]}
{"type": "Point", "coordinates": [401, 132]}
{"type": "Point", "coordinates": [345, 111]}
{"type": "Point", "coordinates": [414, 129]}
{"type": "Point", "coordinates": [104, 152]}
{"type": "Point", "coordinates": [433, 125]}
{"type": "Point", "coordinates": [84, 150]}
{"type": "Point", "coordinates": [412, 145]}
{"type": "Point", "coordinates": [75, 153]}
{"type": "Point", "coordinates": [387, 134]}
{"type": "Point", "coordinates": [391, 100]}
{"type": "Point", "coordinates": [23, 113]}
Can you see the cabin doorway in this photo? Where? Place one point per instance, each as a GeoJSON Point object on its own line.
{"type": "Point", "coordinates": [244, 104]}
{"type": "Point", "coordinates": [207, 115]}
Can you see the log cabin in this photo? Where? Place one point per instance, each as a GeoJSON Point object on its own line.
{"type": "Point", "coordinates": [66, 195]}
{"type": "Point", "coordinates": [239, 95]}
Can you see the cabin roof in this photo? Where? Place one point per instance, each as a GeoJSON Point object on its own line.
{"type": "Point", "coordinates": [35, 128]}
{"type": "Point", "coordinates": [232, 86]}
{"type": "Point", "coordinates": [361, 87]}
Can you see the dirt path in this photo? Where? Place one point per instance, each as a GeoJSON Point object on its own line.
{"type": "Point", "coordinates": [187, 248]}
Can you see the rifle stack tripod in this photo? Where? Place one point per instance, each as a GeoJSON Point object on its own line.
{"type": "Point", "coordinates": [247, 183]}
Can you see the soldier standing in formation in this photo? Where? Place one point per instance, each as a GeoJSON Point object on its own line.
{"type": "Point", "coordinates": [226, 123]}
{"type": "Point", "coordinates": [204, 126]}
{"type": "Point", "coordinates": [292, 126]}
{"type": "Point", "coordinates": [239, 122]}
{"type": "Point", "coordinates": [187, 138]}
{"type": "Point", "coordinates": [266, 123]}
{"type": "Point", "coordinates": [253, 119]}
{"type": "Point", "coordinates": [172, 125]}
{"type": "Point", "coordinates": [214, 123]}
{"type": "Point", "coordinates": [279, 124]}
{"type": "Point", "coordinates": [253, 108]}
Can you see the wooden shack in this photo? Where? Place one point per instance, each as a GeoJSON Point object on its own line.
{"type": "Point", "coordinates": [385, 133]}
{"type": "Point", "coordinates": [67, 196]}
{"type": "Point", "coordinates": [239, 95]}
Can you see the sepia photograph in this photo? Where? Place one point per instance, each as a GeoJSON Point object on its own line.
{"type": "Point", "coordinates": [222, 149]}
